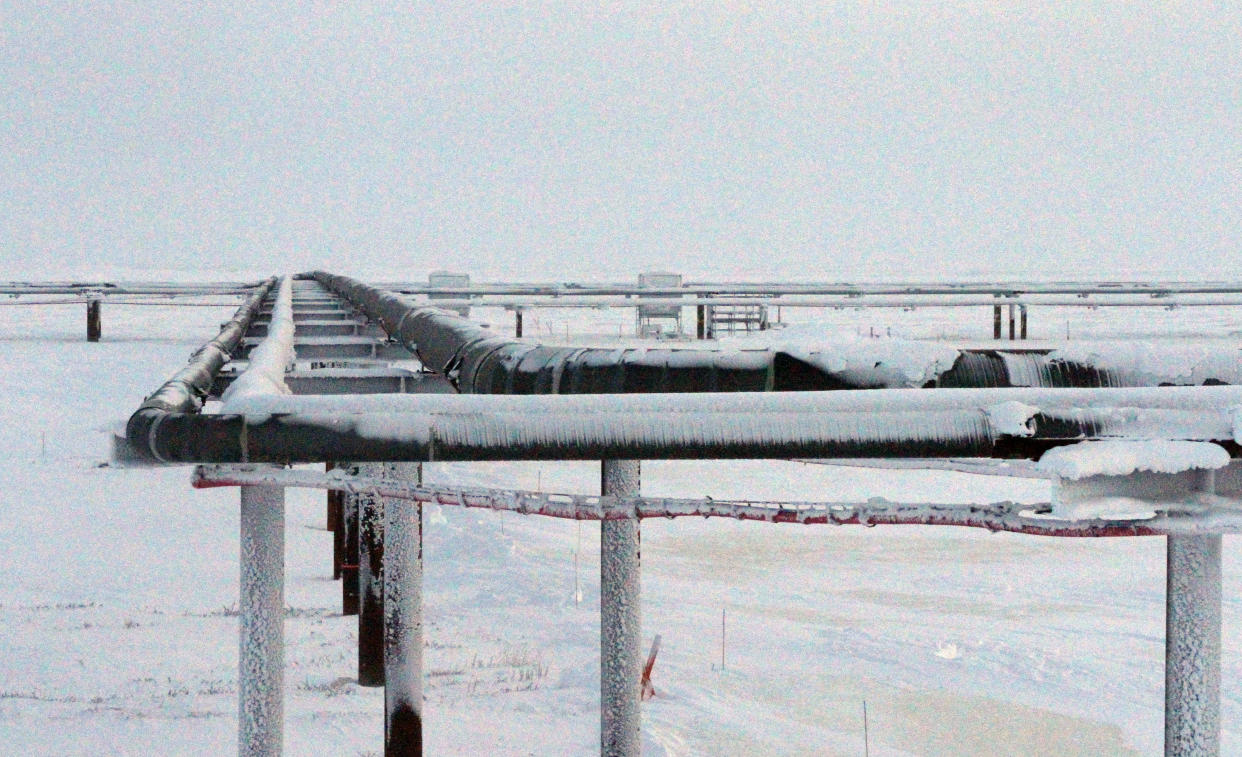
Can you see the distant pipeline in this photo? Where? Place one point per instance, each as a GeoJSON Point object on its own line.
{"type": "Point", "coordinates": [479, 361]}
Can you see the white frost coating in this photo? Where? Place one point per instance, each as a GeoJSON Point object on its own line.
{"type": "Point", "coordinates": [1012, 418]}
{"type": "Point", "coordinates": [1192, 646]}
{"type": "Point", "coordinates": [620, 633]}
{"type": "Point", "coordinates": [272, 357]}
{"type": "Point", "coordinates": [1235, 420]}
{"type": "Point", "coordinates": [1137, 363]}
{"type": "Point", "coordinates": [884, 362]}
{"type": "Point", "coordinates": [262, 608]}
{"type": "Point", "coordinates": [1124, 457]}
{"type": "Point", "coordinates": [1171, 397]}
{"type": "Point", "coordinates": [403, 613]}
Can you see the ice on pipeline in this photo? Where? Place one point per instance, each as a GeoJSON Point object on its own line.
{"type": "Point", "coordinates": [265, 375]}
{"type": "Point", "coordinates": [1118, 457]}
{"type": "Point", "coordinates": [886, 361]}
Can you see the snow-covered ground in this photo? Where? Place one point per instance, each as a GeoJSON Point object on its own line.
{"type": "Point", "coordinates": [118, 608]}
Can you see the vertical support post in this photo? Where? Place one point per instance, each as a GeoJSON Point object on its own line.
{"type": "Point", "coordinates": [701, 315]}
{"type": "Point", "coordinates": [517, 323]}
{"type": "Point", "coordinates": [403, 622]}
{"type": "Point", "coordinates": [349, 566]}
{"type": "Point", "coordinates": [620, 631]}
{"type": "Point", "coordinates": [371, 581]}
{"type": "Point", "coordinates": [1012, 334]}
{"type": "Point", "coordinates": [996, 321]}
{"type": "Point", "coordinates": [1192, 641]}
{"type": "Point", "coordinates": [94, 319]}
{"type": "Point", "coordinates": [260, 719]}
{"type": "Point", "coordinates": [1022, 316]}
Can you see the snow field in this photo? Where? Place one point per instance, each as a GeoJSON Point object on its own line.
{"type": "Point", "coordinates": [119, 608]}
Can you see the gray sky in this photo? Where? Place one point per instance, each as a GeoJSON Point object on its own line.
{"type": "Point", "coordinates": [560, 141]}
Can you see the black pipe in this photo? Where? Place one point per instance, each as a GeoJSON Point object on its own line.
{"type": "Point", "coordinates": [479, 361]}
{"type": "Point", "coordinates": [186, 390]}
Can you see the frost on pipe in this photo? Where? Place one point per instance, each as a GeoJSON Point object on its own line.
{"type": "Point", "coordinates": [185, 391]}
{"type": "Point", "coordinates": [803, 358]}
{"type": "Point", "coordinates": [1027, 518]}
{"type": "Point", "coordinates": [265, 374]}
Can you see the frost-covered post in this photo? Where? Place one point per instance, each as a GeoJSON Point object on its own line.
{"type": "Point", "coordinates": [620, 632]}
{"type": "Point", "coordinates": [371, 580]}
{"type": "Point", "coordinates": [403, 621]}
{"type": "Point", "coordinates": [262, 608]}
{"type": "Point", "coordinates": [1192, 641]}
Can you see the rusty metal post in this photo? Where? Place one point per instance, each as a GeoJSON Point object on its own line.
{"type": "Point", "coordinates": [261, 630]}
{"type": "Point", "coordinates": [403, 621]}
{"type": "Point", "coordinates": [94, 319]}
{"type": "Point", "coordinates": [620, 632]}
{"type": "Point", "coordinates": [371, 580]}
{"type": "Point", "coordinates": [349, 564]}
{"type": "Point", "coordinates": [701, 315]}
{"type": "Point", "coordinates": [336, 525]}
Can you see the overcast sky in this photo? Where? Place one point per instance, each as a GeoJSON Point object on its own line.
{"type": "Point", "coordinates": [534, 141]}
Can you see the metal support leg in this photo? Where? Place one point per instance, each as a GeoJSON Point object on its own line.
{"type": "Point", "coordinates": [620, 619]}
{"type": "Point", "coordinates": [403, 622]}
{"type": "Point", "coordinates": [260, 718]}
{"type": "Point", "coordinates": [701, 315]}
{"type": "Point", "coordinates": [371, 581]}
{"type": "Point", "coordinates": [517, 323]}
{"type": "Point", "coordinates": [1012, 334]}
{"type": "Point", "coordinates": [996, 321]}
{"type": "Point", "coordinates": [94, 320]}
{"type": "Point", "coordinates": [1192, 642]}
{"type": "Point", "coordinates": [349, 568]}
{"type": "Point", "coordinates": [1022, 318]}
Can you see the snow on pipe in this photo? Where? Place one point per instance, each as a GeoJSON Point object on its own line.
{"type": "Point", "coordinates": [1205, 514]}
{"type": "Point", "coordinates": [268, 361]}
{"type": "Point", "coordinates": [1011, 430]}
{"type": "Point", "coordinates": [482, 362]}
{"type": "Point", "coordinates": [184, 392]}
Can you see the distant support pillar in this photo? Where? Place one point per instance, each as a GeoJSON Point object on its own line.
{"type": "Point", "coordinates": [94, 319]}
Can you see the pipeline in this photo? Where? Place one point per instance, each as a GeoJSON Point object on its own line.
{"type": "Point", "coordinates": [185, 391]}
{"type": "Point", "coordinates": [479, 361]}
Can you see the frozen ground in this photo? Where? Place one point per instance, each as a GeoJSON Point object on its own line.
{"type": "Point", "coordinates": [119, 626]}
